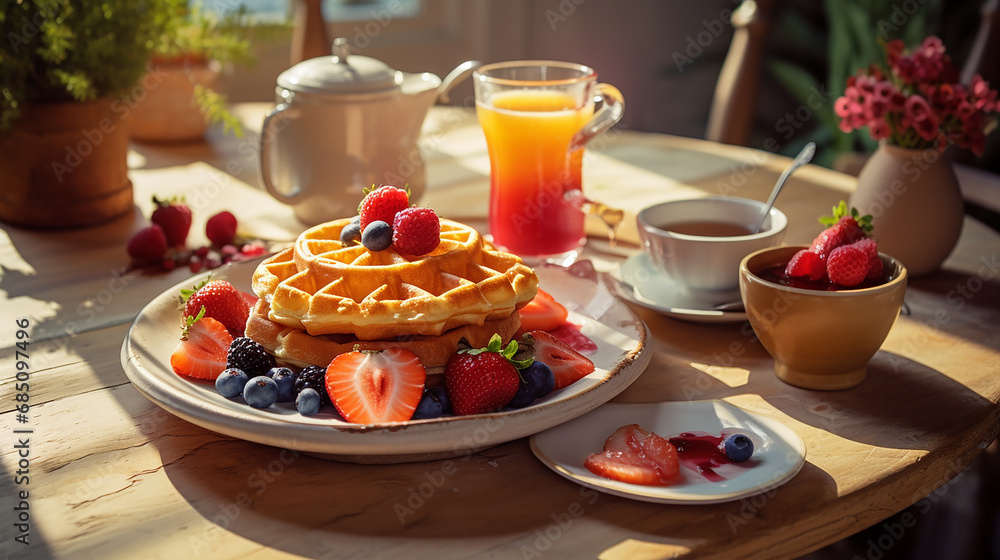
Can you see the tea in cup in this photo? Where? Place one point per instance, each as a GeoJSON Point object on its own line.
{"type": "Point", "coordinates": [537, 117]}
{"type": "Point", "coordinates": [699, 243]}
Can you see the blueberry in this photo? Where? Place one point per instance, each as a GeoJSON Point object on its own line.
{"type": "Point", "coordinates": [351, 234]}
{"type": "Point", "coordinates": [230, 382]}
{"type": "Point", "coordinates": [285, 379]}
{"type": "Point", "coordinates": [377, 236]}
{"type": "Point", "coordinates": [261, 392]}
{"type": "Point", "coordinates": [433, 404]}
{"type": "Point", "coordinates": [738, 447]}
{"type": "Point", "coordinates": [308, 401]}
{"type": "Point", "coordinates": [536, 382]}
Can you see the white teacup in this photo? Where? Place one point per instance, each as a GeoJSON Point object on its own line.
{"type": "Point", "coordinates": [700, 242]}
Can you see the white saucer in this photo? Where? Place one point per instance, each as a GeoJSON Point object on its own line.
{"type": "Point", "coordinates": [779, 452]}
{"type": "Point", "coordinates": [641, 283]}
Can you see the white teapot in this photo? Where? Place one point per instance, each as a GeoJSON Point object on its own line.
{"type": "Point", "coordinates": [344, 123]}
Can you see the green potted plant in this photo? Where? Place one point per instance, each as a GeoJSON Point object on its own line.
{"type": "Point", "coordinates": [181, 102]}
{"type": "Point", "coordinates": [69, 72]}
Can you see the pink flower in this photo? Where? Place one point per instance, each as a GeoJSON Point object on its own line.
{"type": "Point", "coordinates": [879, 130]}
{"type": "Point", "coordinates": [917, 109]}
{"type": "Point", "coordinates": [840, 107]}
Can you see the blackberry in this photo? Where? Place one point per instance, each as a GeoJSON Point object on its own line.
{"type": "Point", "coordinates": [247, 355]}
{"type": "Point", "coordinates": [313, 377]}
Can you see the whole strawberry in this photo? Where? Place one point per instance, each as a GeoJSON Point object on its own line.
{"type": "Point", "coordinates": [416, 231]}
{"type": "Point", "coordinates": [149, 244]}
{"type": "Point", "coordinates": [806, 264]}
{"type": "Point", "coordinates": [174, 217]}
{"type": "Point", "coordinates": [482, 380]}
{"type": "Point", "coordinates": [221, 228]}
{"type": "Point", "coordinates": [382, 204]}
{"type": "Point", "coordinates": [222, 302]}
{"type": "Point", "coordinates": [844, 228]}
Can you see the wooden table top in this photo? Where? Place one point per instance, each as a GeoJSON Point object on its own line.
{"type": "Point", "coordinates": [112, 475]}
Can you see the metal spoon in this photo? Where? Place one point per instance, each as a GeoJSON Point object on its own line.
{"type": "Point", "coordinates": [803, 158]}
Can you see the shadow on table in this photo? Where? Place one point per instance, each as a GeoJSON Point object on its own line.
{"type": "Point", "coordinates": [492, 497]}
{"type": "Point", "coordinates": [902, 405]}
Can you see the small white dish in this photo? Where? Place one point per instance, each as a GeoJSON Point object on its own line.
{"type": "Point", "coordinates": [643, 284]}
{"type": "Point", "coordinates": [779, 452]}
{"type": "Point", "coordinates": [622, 355]}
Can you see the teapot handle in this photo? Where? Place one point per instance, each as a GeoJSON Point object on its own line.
{"type": "Point", "coordinates": [276, 119]}
{"type": "Point", "coordinates": [461, 72]}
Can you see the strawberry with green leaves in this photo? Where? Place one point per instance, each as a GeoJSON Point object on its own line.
{"type": "Point", "coordinates": [174, 217]}
{"type": "Point", "coordinates": [221, 301]}
{"type": "Point", "coordinates": [480, 380]}
{"type": "Point", "coordinates": [843, 253]}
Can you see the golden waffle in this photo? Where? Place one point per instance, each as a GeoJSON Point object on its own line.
{"type": "Point", "coordinates": [321, 286]}
{"type": "Point", "coordinates": [296, 347]}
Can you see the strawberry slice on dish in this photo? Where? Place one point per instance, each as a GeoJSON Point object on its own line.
{"type": "Point", "coordinates": [202, 350]}
{"type": "Point", "coordinates": [636, 456]}
{"type": "Point", "coordinates": [543, 313]}
{"type": "Point", "coordinates": [369, 387]}
{"type": "Point", "coordinates": [568, 365]}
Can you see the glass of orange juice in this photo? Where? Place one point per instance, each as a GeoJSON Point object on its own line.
{"type": "Point", "coordinates": [537, 117]}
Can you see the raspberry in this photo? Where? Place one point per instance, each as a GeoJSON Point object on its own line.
{"type": "Point", "coordinates": [313, 377]}
{"type": "Point", "coordinates": [847, 265]}
{"type": "Point", "coordinates": [382, 204]}
{"type": "Point", "coordinates": [149, 244]}
{"type": "Point", "coordinates": [805, 263]}
{"type": "Point", "coordinates": [175, 219]}
{"type": "Point", "coordinates": [247, 355]}
{"type": "Point", "coordinates": [416, 231]}
{"type": "Point", "coordinates": [221, 228]}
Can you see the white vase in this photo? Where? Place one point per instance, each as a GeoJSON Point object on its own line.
{"type": "Point", "coordinates": [915, 202]}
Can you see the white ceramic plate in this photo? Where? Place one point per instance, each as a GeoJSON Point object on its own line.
{"type": "Point", "coordinates": [622, 355]}
{"type": "Point", "coordinates": [639, 282]}
{"type": "Point", "coordinates": [779, 452]}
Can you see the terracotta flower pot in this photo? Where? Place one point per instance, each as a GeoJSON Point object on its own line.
{"type": "Point", "coordinates": [168, 111]}
{"type": "Point", "coordinates": [915, 202]}
{"type": "Point", "coordinates": [64, 165]}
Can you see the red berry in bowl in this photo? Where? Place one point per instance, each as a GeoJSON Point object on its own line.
{"type": "Point", "coordinates": [416, 231]}
{"type": "Point", "coordinates": [806, 264]}
{"type": "Point", "coordinates": [847, 265]}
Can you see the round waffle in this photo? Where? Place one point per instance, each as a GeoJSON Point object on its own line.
{"type": "Point", "coordinates": [296, 347]}
{"type": "Point", "coordinates": [322, 286]}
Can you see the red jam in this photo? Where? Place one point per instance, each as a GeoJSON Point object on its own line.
{"type": "Point", "coordinates": [777, 275]}
{"type": "Point", "coordinates": [571, 335]}
{"type": "Point", "coordinates": [702, 453]}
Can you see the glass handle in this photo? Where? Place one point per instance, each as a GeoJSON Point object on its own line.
{"type": "Point", "coordinates": [610, 111]}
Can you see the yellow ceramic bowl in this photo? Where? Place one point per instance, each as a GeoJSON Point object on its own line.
{"type": "Point", "coordinates": [819, 339]}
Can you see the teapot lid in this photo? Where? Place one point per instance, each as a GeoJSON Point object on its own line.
{"type": "Point", "coordinates": [340, 74]}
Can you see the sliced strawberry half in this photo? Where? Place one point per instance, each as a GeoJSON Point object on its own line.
{"type": "Point", "coordinates": [202, 350]}
{"type": "Point", "coordinates": [636, 456]}
{"type": "Point", "coordinates": [369, 387]}
{"type": "Point", "coordinates": [543, 313]}
{"type": "Point", "coordinates": [568, 365]}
